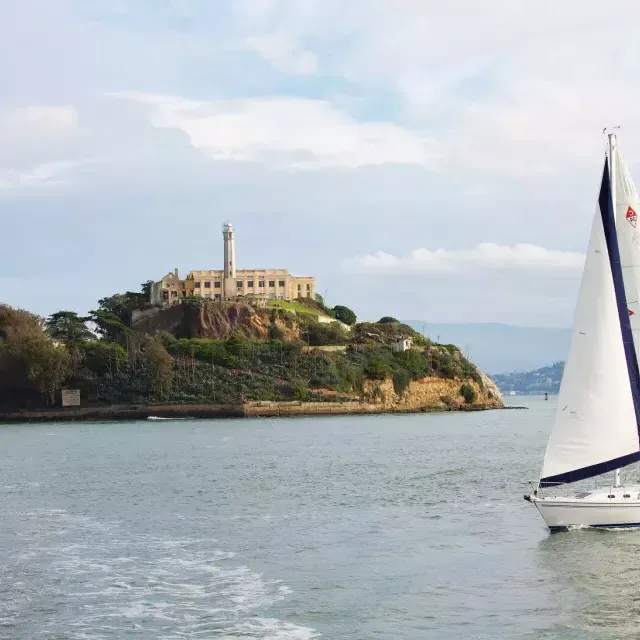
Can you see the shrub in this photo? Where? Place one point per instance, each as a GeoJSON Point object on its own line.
{"type": "Point", "coordinates": [401, 381]}
{"type": "Point", "coordinates": [388, 320]}
{"type": "Point", "coordinates": [468, 393]}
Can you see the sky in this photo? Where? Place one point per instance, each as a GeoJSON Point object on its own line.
{"type": "Point", "coordinates": [422, 159]}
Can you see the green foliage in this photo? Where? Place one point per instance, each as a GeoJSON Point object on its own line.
{"type": "Point", "coordinates": [103, 357]}
{"type": "Point", "coordinates": [344, 314]}
{"type": "Point", "coordinates": [388, 320]}
{"type": "Point", "coordinates": [414, 362]}
{"type": "Point", "coordinates": [317, 334]}
{"type": "Point", "coordinates": [46, 365]}
{"type": "Point", "coordinates": [68, 327]}
{"type": "Point", "coordinates": [401, 381]}
{"type": "Point", "coordinates": [159, 365]}
{"type": "Point", "coordinates": [468, 393]}
{"type": "Point", "coordinates": [109, 326]}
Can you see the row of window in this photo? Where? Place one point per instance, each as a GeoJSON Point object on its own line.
{"type": "Point", "coordinates": [250, 284]}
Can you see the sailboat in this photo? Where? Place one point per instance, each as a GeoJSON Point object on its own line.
{"type": "Point", "coordinates": [596, 429]}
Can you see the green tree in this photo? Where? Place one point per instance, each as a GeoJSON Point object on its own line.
{"type": "Point", "coordinates": [47, 365]}
{"type": "Point", "coordinates": [344, 314]}
{"type": "Point", "coordinates": [109, 326]}
{"type": "Point", "coordinates": [146, 289]}
{"type": "Point", "coordinates": [103, 357]}
{"type": "Point", "coordinates": [388, 320]}
{"type": "Point", "coordinates": [68, 327]}
{"type": "Point", "coordinates": [160, 367]}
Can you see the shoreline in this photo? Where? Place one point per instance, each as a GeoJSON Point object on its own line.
{"type": "Point", "coordinates": [255, 409]}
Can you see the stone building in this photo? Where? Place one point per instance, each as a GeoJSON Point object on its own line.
{"type": "Point", "coordinates": [252, 285]}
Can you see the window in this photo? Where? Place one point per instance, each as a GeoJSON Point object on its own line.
{"type": "Point", "coordinates": [165, 295]}
{"type": "Point", "coordinates": [281, 283]}
{"type": "Point", "coordinates": [184, 294]}
{"type": "Point", "coordinates": [261, 284]}
{"type": "Point", "coordinates": [611, 495]}
{"type": "Point", "coordinates": [216, 285]}
{"type": "Point", "coordinates": [218, 296]}
{"type": "Point", "coordinates": [239, 284]}
{"type": "Point", "coordinates": [207, 285]}
{"type": "Point", "coordinates": [272, 283]}
{"type": "Point", "coordinates": [299, 287]}
{"type": "Point", "coordinates": [308, 287]}
{"type": "Point", "coordinates": [308, 294]}
{"type": "Point", "coordinates": [626, 495]}
{"type": "Point", "coordinates": [197, 285]}
{"type": "Point", "coordinates": [174, 294]}
{"type": "Point", "coordinates": [250, 284]}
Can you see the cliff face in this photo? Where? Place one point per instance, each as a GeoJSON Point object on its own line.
{"type": "Point", "coordinates": [217, 321]}
{"type": "Point", "coordinates": [431, 393]}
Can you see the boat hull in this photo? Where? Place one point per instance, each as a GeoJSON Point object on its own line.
{"type": "Point", "coordinates": [559, 515]}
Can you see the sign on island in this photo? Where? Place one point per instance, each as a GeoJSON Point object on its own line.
{"type": "Point", "coordinates": [71, 397]}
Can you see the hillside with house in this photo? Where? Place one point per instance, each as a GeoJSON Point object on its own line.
{"type": "Point", "coordinates": [536, 382]}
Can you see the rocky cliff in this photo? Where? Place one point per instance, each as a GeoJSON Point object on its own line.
{"type": "Point", "coordinates": [217, 321]}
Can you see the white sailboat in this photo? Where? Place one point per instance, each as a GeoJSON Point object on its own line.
{"type": "Point", "coordinates": [597, 423]}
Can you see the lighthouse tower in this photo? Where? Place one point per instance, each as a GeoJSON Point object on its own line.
{"type": "Point", "coordinates": [229, 280]}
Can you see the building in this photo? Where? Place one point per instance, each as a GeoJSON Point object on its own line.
{"type": "Point", "coordinates": [401, 345]}
{"type": "Point", "coordinates": [252, 285]}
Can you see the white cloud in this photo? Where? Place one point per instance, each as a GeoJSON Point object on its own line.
{"type": "Point", "coordinates": [48, 174]}
{"type": "Point", "coordinates": [37, 121]}
{"type": "Point", "coordinates": [487, 256]}
{"type": "Point", "coordinates": [284, 53]}
{"type": "Point", "coordinates": [293, 133]}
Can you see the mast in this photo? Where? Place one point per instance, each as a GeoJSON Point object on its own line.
{"type": "Point", "coordinates": [613, 181]}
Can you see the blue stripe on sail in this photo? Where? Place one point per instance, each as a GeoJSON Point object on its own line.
{"type": "Point", "coordinates": [609, 223]}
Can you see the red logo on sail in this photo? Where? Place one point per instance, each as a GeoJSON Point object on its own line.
{"type": "Point", "coordinates": [630, 312]}
{"type": "Point", "coordinates": [632, 216]}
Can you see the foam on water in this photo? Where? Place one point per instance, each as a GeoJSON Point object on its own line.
{"type": "Point", "coordinates": [114, 585]}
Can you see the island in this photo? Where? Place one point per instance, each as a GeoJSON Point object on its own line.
{"type": "Point", "coordinates": [129, 358]}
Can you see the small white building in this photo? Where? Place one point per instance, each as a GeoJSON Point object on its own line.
{"type": "Point", "coordinates": [404, 344]}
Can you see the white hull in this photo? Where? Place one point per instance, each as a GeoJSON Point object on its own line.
{"type": "Point", "coordinates": [591, 510]}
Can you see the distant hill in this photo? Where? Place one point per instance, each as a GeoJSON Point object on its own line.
{"type": "Point", "coordinates": [545, 379]}
{"type": "Point", "coordinates": [501, 348]}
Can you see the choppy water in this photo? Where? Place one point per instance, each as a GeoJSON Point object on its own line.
{"type": "Point", "coordinates": [394, 527]}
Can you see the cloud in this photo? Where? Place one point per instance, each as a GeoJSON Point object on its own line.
{"type": "Point", "coordinates": [37, 121]}
{"type": "Point", "coordinates": [285, 132]}
{"type": "Point", "coordinates": [48, 174]}
{"type": "Point", "coordinates": [486, 256]}
{"type": "Point", "coordinates": [283, 53]}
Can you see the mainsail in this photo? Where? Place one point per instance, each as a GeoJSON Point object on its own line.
{"type": "Point", "coordinates": [597, 422]}
{"type": "Point", "coordinates": [628, 231]}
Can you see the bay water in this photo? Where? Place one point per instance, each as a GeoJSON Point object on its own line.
{"type": "Point", "coordinates": [396, 527]}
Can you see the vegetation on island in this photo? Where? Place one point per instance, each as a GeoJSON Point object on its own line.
{"type": "Point", "coordinates": [211, 352]}
{"type": "Point", "coordinates": [537, 382]}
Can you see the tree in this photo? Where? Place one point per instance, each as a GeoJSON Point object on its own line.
{"type": "Point", "coordinates": [160, 367]}
{"type": "Point", "coordinates": [146, 289]}
{"type": "Point", "coordinates": [344, 314]}
{"type": "Point", "coordinates": [68, 327]}
{"type": "Point", "coordinates": [46, 364]}
{"type": "Point", "coordinates": [388, 320]}
{"type": "Point", "coordinates": [109, 326]}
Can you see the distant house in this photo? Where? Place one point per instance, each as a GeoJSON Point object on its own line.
{"type": "Point", "coordinates": [404, 344]}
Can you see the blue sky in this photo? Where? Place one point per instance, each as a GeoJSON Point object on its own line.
{"type": "Point", "coordinates": [422, 160]}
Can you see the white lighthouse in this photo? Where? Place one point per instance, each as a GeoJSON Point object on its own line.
{"type": "Point", "coordinates": [229, 278]}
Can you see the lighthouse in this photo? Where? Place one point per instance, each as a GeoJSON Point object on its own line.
{"type": "Point", "coordinates": [229, 278]}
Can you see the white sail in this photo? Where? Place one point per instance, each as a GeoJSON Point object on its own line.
{"type": "Point", "coordinates": [595, 423]}
{"type": "Point", "coordinates": [628, 231]}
